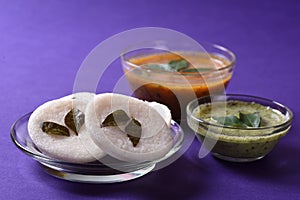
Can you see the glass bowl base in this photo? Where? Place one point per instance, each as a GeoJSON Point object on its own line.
{"type": "Point", "coordinates": [95, 178]}
{"type": "Point", "coordinates": [232, 159]}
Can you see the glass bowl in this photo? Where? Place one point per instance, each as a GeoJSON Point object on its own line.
{"type": "Point", "coordinates": [96, 172]}
{"type": "Point", "coordinates": [214, 66]}
{"type": "Point", "coordinates": [238, 144]}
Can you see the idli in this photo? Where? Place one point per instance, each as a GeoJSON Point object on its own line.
{"type": "Point", "coordinates": [163, 110]}
{"type": "Point", "coordinates": [127, 128]}
{"type": "Point", "coordinates": [58, 129]}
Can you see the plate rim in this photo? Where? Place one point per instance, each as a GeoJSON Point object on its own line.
{"type": "Point", "coordinates": [42, 158]}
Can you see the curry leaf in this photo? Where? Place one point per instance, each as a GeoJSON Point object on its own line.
{"type": "Point", "coordinates": [130, 126]}
{"type": "Point", "coordinates": [53, 128]}
{"type": "Point", "coordinates": [251, 120]}
{"type": "Point", "coordinates": [134, 131]}
{"type": "Point", "coordinates": [230, 121]}
{"type": "Point", "coordinates": [172, 66]}
{"type": "Point", "coordinates": [116, 118]}
{"type": "Point", "coordinates": [74, 120]}
{"type": "Point", "coordinates": [177, 65]}
{"type": "Point", "coordinates": [164, 67]}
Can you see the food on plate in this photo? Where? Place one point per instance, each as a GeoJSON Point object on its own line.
{"type": "Point", "coordinates": [58, 129]}
{"type": "Point", "coordinates": [84, 127]}
{"type": "Point", "coordinates": [127, 128]}
{"type": "Point", "coordinates": [163, 110]}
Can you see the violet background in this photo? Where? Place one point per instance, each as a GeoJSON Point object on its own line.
{"type": "Point", "coordinates": [42, 44]}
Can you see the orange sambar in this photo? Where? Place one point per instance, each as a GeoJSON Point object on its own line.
{"type": "Point", "coordinates": [176, 89]}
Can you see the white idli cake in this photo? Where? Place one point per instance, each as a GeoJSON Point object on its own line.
{"type": "Point", "coordinates": [58, 129]}
{"type": "Point", "coordinates": [163, 110]}
{"type": "Point", "coordinates": [127, 128]}
{"type": "Point", "coordinates": [84, 97]}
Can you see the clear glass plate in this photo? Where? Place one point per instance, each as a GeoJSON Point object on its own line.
{"type": "Point", "coordinates": [95, 172]}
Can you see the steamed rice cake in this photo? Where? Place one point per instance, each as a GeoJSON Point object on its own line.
{"type": "Point", "coordinates": [77, 147]}
{"type": "Point", "coordinates": [155, 139]}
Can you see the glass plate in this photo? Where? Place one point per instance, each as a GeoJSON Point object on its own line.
{"type": "Point", "coordinates": [95, 172]}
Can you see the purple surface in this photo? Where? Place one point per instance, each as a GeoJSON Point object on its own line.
{"type": "Point", "coordinates": [42, 44]}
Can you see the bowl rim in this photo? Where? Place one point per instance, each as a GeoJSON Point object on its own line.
{"type": "Point", "coordinates": [231, 64]}
{"type": "Point", "coordinates": [280, 125]}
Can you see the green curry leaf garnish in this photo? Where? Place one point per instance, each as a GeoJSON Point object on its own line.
{"type": "Point", "coordinates": [53, 128]}
{"type": "Point", "coordinates": [177, 65]}
{"type": "Point", "coordinates": [116, 118]}
{"type": "Point", "coordinates": [134, 131]}
{"type": "Point", "coordinates": [130, 126]}
{"type": "Point", "coordinates": [172, 66]}
{"type": "Point", "coordinates": [74, 120]}
{"type": "Point", "coordinates": [251, 120]}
